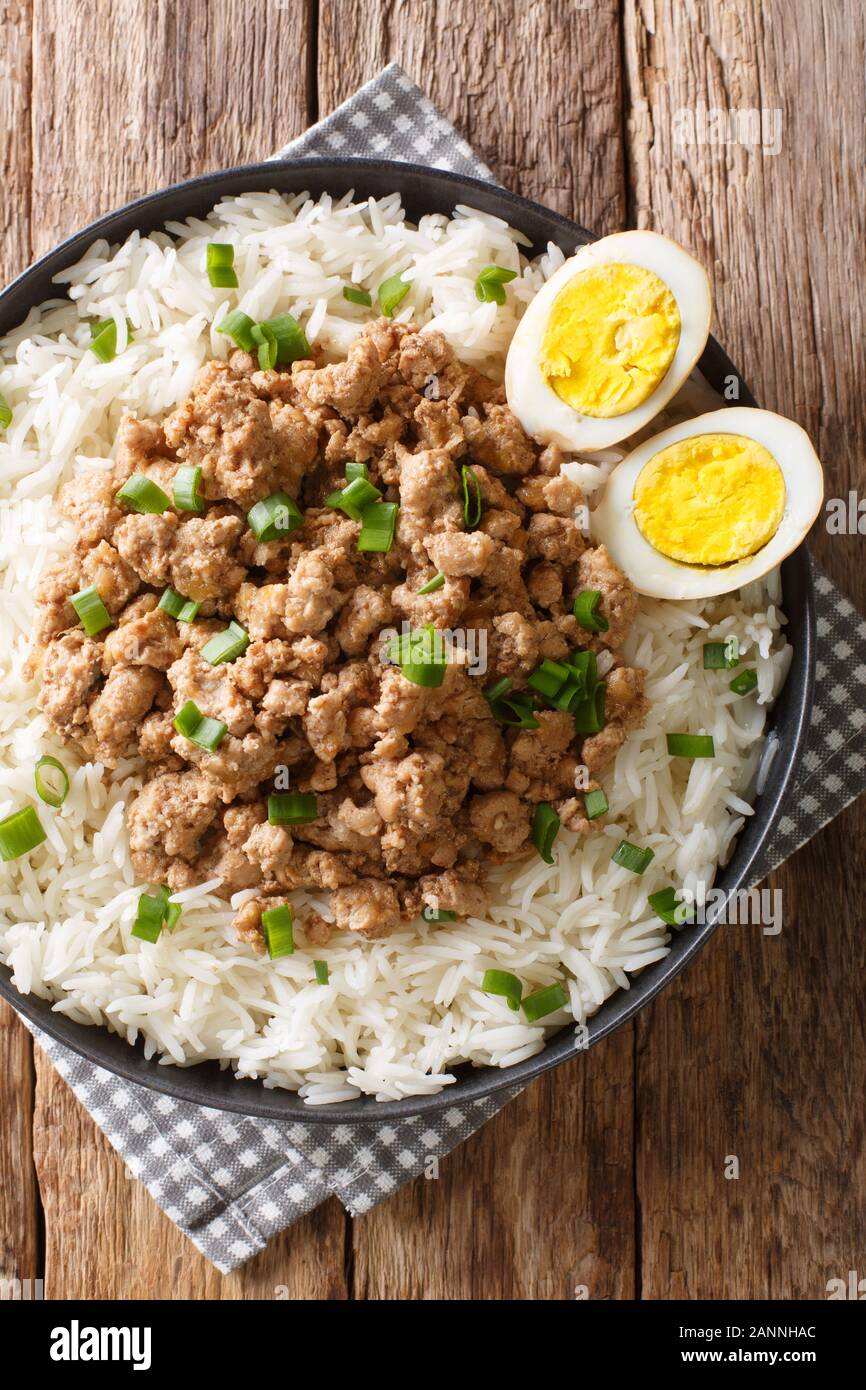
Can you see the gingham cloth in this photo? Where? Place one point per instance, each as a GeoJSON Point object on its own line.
{"type": "Point", "coordinates": [231, 1183]}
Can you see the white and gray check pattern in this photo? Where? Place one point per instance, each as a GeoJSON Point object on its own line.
{"type": "Point", "coordinates": [231, 1183]}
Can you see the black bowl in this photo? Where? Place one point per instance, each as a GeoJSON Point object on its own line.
{"type": "Point", "coordinates": [423, 190]}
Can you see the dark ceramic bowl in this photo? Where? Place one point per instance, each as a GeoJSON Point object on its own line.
{"type": "Point", "coordinates": [423, 190]}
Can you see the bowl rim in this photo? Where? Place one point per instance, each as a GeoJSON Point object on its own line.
{"type": "Point", "coordinates": [214, 1085]}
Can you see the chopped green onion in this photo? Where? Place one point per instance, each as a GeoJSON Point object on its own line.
{"type": "Point", "coordinates": [666, 905]}
{"type": "Point", "coordinates": [187, 481]}
{"type": "Point", "coordinates": [198, 728]}
{"type": "Point", "coordinates": [354, 498]}
{"type": "Point", "coordinates": [595, 803]}
{"type": "Point", "coordinates": [151, 915]}
{"type": "Point", "coordinates": [549, 678]}
{"type": "Point", "coordinates": [421, 656]}
{"type": "Point", "coordinates": [378, 523]}
{"type": "Point", "coordinates": [322, 972]}
{"type": "Point", "coordinates": [292, 808]}
{"type": "Point", "coordinates": [490, 282]}
{"type": "Point", "coordinates": [226, 645]}
{"type": "Point", "coordinates": [103, 340]}
{"type": "Point", "coordinates": [583, 667]}
{"type": "Point", "coordinates": [143, 495]}
{"type": "Point", "coordinates": [289, 336]}
{"type": "Point", "coordinates": [543, 1002]}
{"type": "Point", "coordinates": [391, 293]}
{"type": "Point", "coordinates": [92, 611]}
{"type": "Point", "coordinates": [589, 714]}
{"type": "Point", "coordinates": [745, 682]}
{"type": "Point", "coordinates": [239, 327]}
{"type": "Point", "coordinates": [471, 496]}
{"type": "Point", "coordinates": [586, 611]}
{"type": "Point", "coordinates": [5, 414]}
{"type": "Point", "coordinates": [356, 470]}
{"type": "Point", "coordinates": [278, 928]}
{"type": "Point", "coordinates": [691, 746]}
{"type": "Point", "coordinates": [20, 833]}
{"type": "Point", "coordinates": [632, 857]}
{"type": "Point", "coordinates": [220, 265]}
{"type": "Point", "coordinates": [275, 517]}
{"type": "Point", "coordinates": [433, 584]}
{"type": "Point", "coordinates": [502, 982]}
{"type": "Point", "coordinates": [356, 296]}
{"type": "Point", "coordinates": [266, 341]}
{"type": "Point", "coordinates": [172, 915]}
{"type": "Point", "coordinates": [439, 914]}
{"type": "Point", "coordinates": [52, 796]}
{"type": "Point", "coordinates": [512, 707]}
{"type": "Point", "coordinates": [184, 609]}
{"type": "Point", "coordinates": [720, 656]}
{"type": "Point", "coordinates": [545, 828]}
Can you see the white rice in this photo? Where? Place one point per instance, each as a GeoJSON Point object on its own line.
{"type": "Point", "coordinates": [397, 1015]}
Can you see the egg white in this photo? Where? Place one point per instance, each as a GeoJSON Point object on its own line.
{"type": "Point", "coordinates": [537, 406]}
{"type": "Point", "coordinates": [613, 523]}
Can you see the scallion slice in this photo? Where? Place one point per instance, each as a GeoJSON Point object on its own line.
{"type": "Point", "coordinates": [490, 282]}
{"type": "Point", "coordinates": [721, 656]}
{"type": "Point", "coordinates": [292, 808]}
{"type": "Point", "coordinates": [184, 609]}
{"type": "Point", "coordinates": [666, 905]}
{"type": "Point", "coordinates": [20, 833]}
{"type": "Point", "coordinates": [52, 795]}
{"type": "Point", "coordinates": [278, 929]}
{"type": "Point", "coordinates": [549, 678]}
{"type": "Point", "coordinates": [226, 645]}
{"type": "Point", "coordinates": [511, 707]}
{"type": "Point", "coordinates": [322, 972]}
{"type": "Point", "coordinates": [266, 343]}
{"type": "Point", "coordinates": [150, 915]}
{"type": "Point", "coordinates": [472, 506]}
{"type": "Point", "coordinates": [142, 495]}
{"type": "Point", "coordinates": [439, 914]}
{"type": "Point", "coordinates": [595, 804]}
{"type": "Point", "coordinates": [220, 265]}
{"type": "Point", "coordinates": [421, 656]}
{"type": "Point", "coordinates": [354, 498]}
{"type": "Point", "coordinates": [92, 611]}
{"type": "Point", "coordinates": [289, 336]}
{"type": "Point", "coordinates": [589, 714]}
{"type": "Point", "coordinates": [198, 728]}
{"type": "Point", "coordinates": [433, 584]}
{"type": "Point", "coordinates": [391, 293]}
{"type": "Point", "coordinates": [504, 983]}
{"type": "Point", "coordinates": [187, 481]}
{"type": "Point", "coordinates": [5, 414]}
{"type": "Point", "coordinates": [239, 327]}
{"type": "Point", "coordinates": [543, 1002]}
{"type": "Point", "coordinates": [632, 857]}
{"type": "Point", "coordinates": [275, 517]}
{"type": "Point", "coordinates": [586, 611]}
{"type": "Point", "coordinates": [691, 746]}
{"type": "Point", "coordinates": [356, 470]}
{"type": "Point", "coordinates": [545, 828]}
{"type": "Point", "coordinates": [103, 340]}
{"type": "Point", "coordinates": [745, 682]}
{"type": "Point", "coordinates": [356, 296]}
{"type": "Point", "coordinates": [378, 524]}
{"type": "Point", "coordinates": [172, 915]}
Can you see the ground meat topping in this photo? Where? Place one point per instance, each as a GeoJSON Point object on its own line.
{"type": "Point", "coordinates": [416, 787]}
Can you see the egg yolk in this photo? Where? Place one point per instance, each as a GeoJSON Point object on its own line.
{"type": "Point", "coordinates": [710, 500]}
{"type": "Point", "coordinates": [610, 339]}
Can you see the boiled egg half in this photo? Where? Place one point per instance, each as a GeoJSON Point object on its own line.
{"type": "Point", "coordinates": [710, 504]}
{"type": "Point", "coordinates": [607, 342]}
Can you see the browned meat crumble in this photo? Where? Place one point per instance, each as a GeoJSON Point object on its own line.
{"type": "Point", "coordinates": [416, 787]}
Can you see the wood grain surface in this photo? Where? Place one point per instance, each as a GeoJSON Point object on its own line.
{"type": "Point", "coordinates": [607, 1179]}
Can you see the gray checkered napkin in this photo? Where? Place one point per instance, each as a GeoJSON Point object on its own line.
{"type": "Point", "coordinates": [230, 1183]}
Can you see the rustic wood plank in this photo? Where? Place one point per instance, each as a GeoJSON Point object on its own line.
{"type": "Point", "coordinates": [740, 1057]}
{"type": "Point", "coordinates": [505, 75]}
{"type": "Point", "coordinates": [20, 1254]}
{"type": "Point", "coordinates": [540, 1201]}
{"type": "Point", "coordinates": [177, 90]}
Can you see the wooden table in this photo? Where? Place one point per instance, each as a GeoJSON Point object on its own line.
{"type": "Point", "coordinates": [609, 1174]}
